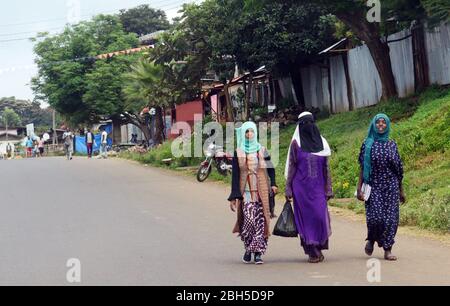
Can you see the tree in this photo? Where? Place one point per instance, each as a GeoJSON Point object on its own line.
{"type": "Point", "coordinates": [437, 10]}
{"type": "Point", "coordinates": [72, 81]}
{"type": "Point", "coordinates": [28, 111]}
{"type": "Point", "coordinates": [137, 90]}
{"type": "Point", "coordinates": [148, 85]}
{"type": "Point", "coordinates": [280, 36]}
{"type": "Point", "coordinates": [144, 20]}
{"type": "Point", "coordinates": [284, 36]}
{"type": "Point", "coordinates": [9, 118]}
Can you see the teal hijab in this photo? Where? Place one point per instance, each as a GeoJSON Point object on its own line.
{"type": "Point", "coordinates": [248, 145]}
{"type": "Point", "coordinates": [374, 135]}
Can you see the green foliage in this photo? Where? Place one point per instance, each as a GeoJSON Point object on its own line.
{"type": "Point", "coordinates": [71, 81]}
{"type": "Point", "coordinates": [9, 117]}
{"type": "Point", "coordinates": [29, 112]}
{"type": "Point", "coordinates": [144, 20]}
{"type": "Point", "coordinates": [437, 10]}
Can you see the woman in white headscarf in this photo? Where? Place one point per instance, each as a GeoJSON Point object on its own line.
{"type": "Point", "coordinates": [309, 186]}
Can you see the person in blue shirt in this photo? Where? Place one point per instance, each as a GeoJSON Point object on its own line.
{"type": "Point", "coordinates": [29, 146]}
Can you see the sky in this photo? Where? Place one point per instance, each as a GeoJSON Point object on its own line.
{"type": "Point", "coordinates": [21, 19]}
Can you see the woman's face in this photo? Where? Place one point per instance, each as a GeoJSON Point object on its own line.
{"type": "Point", "coordinates": [381, 126]}
{"type": "Point", "coordinates": [249, 134]}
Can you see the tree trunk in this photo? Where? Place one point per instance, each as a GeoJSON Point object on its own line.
{"type": "Point", "coordinates": [159, 126]}
{"type": "Point", "coordinates": [370, 34]}
{"type": "Point", "coordinates": [330, 87]}
{"type": "Point", "coordinates": [421, 76]}
{"type": "Point", "coordinates": [145, 130]}
{"type": "Point", "coordinates": [230, 114]}
{"type": "Point", "coordinates": [117, 135]}
{"type": "Point", "coordinates": [296, 77]}
{"type": "Point", "coordinates": [137, 121]}
{"type": "Point", "coordinates": [351, 103]}
{"type": "Point", "coordinates": [248, 95]}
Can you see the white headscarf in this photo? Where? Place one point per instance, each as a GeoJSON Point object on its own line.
{"type": "Point", "coordinates": [326, 152]}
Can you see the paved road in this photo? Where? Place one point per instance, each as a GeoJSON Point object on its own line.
{"type": "Point", "coordinates": [133, 225]}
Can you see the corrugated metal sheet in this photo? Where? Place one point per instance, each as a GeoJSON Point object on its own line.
{"type": "Point", "coordinates": [364, 77]}
{"type": "Point", "coordinates": [402, 62]}
{"type": "Point", "coordinates": [287, 89]}
{"type": "Point", "coordinates": [366, 83]}
{"type": "Point", "coordinates": [315, 87]}
{"type": "Point", "coordinates": [338, 85]}
{"type": "Point", "coordinates": [438, 52]}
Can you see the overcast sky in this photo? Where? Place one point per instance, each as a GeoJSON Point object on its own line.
{"type": "Point", "coordinates": [20, 19]}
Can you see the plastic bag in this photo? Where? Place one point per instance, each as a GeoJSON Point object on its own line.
{"type": "Point", "coordinates": [285, 226]}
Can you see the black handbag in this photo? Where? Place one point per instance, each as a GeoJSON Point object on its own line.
{"type": "Point", "coordinates": [285, 226]}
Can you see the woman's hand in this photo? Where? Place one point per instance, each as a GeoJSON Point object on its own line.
{"type": "Point", "coordinates": [360, 195]}
{"type": "Point", "coordinates": [275, 189]}
{"type": "Point", "coordinates": [289, 198]}
{"type": "Point", "coordinates": [233, 205]}
{"type": "Point", "coordinates": [402, 197]}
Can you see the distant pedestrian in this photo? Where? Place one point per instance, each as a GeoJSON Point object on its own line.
{"type": "Point", "coordinates": [68, 144]}
{"type": "Point", "coordinates": [104, 144]}
{"type": "Point", "coordinates": [8, 150]}
{"type": "Point", "coordinates": [41, 146]}
{"type": "Point", "coordinates": [89, 143]}
{"type": "Point", "coordinates": [380, 186]}
{"type": "Point", "coordinates": [134, 138]}
{"type": "Point", "coordinates": [29, 147]}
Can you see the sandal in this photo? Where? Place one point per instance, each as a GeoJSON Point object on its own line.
{"type": "Point", "coordinates": [321, 257]}
{"type": "Point", "coordinates": [314, 260]}
{"type": "Point", "coordinates": [389, 257]}
{"type": "Point", "coordinates": [369, 248]}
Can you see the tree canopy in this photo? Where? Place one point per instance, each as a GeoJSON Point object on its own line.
{"type": "Point", "coordinates": [9, 117]}
{"type": "Point", "coordinates": [72, 81]}
{"type": "Point", "coordinates": [144, 20]}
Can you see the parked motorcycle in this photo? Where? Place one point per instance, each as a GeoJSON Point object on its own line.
{"type": "Point", "coordinates": [215, 155]}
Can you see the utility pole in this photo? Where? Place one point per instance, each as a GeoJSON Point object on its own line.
{"type": "Point", "coordinates": [55, 140]}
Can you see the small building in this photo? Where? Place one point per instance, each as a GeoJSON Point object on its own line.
{"type": "Point", "coordinates": [12, 136]}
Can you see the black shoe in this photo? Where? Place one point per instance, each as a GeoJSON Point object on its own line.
{"type": "Point", "coordinates": [258, 259]}
{"type": "Point", "coordinates": [247, 258]}
{"type": "Point", "coordinates": [369, 248]}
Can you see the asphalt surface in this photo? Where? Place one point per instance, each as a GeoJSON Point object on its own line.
{"type": "Point", "coordinates": [134, 225]}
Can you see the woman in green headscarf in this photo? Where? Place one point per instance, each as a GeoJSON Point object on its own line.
{"type": "Point", "coordinates": [253, 178]}
{"type": "Point", "coordinates": [380, 185]}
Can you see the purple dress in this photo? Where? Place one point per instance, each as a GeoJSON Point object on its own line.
{"type": "Point", "coordinates": [309, 183]}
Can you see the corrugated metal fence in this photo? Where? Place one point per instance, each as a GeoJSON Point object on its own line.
{"type": "Point", "coordinates": [365, 82]}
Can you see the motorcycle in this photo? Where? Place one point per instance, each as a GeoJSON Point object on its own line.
{"type": "Point", "coordinates": [215, 155]}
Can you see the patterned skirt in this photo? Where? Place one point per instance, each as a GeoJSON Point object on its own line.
{"type": "Point", "coordinates": [252, 233]}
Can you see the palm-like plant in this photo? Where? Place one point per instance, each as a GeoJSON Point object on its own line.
{"type": "Point", "coordinates": [144, 87]}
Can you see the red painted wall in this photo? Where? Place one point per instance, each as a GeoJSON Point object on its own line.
{"type": "Point", "coordinates": [185, 112]}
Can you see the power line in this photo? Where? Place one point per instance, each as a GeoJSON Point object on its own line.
{"type": "Point", "coordinates": [83, 15]}
{"type": "Point", "coordinates": [61, 28]}
{"type": "Point", "coordinates": [31, 32]}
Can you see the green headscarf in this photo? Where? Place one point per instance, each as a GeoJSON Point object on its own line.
{"type": "Point", "coordinates": [373, 136]}
{"type": "Point", "coordinates": [248, 145]}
